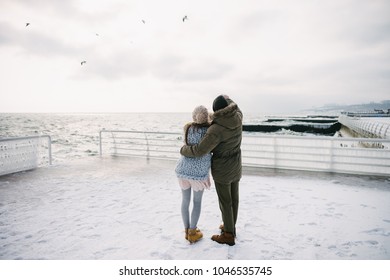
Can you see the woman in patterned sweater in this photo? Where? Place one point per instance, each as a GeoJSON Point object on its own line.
{"type": "Point", "coordinates": [194, 174]}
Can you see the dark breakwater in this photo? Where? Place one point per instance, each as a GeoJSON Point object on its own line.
{"type": "Point", "coordinates": [321, 125]}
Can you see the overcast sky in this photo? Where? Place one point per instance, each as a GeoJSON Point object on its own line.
{"type": "Point", "coordinates": [270, 56]}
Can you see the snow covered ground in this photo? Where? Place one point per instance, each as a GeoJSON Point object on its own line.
{"type": "Point", "coordinates": [123, 208]}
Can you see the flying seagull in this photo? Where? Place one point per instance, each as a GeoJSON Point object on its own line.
{"type": "Point", "coordinates": [143, 21]}
{"type": "Point", "coordinates": [27, 24]}
{"type": "Point", "coordinates": [83, 62]}
{"type": "Point", "coordinates": [185, 18]}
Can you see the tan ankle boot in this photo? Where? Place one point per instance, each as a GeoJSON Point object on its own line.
{"type": "Point", "coordinates": [186, 232]}
{"type": "Point", "coordinates": [194, 235]}
{"type": "Point", "coordinates": [224, 238]}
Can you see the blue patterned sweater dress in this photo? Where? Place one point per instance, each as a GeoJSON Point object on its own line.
{"type": "Point", "coordinates": [194, 172]}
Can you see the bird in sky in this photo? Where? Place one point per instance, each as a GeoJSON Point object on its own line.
{"type": "Point", "coordinates": [27, 24]}
{"type": "Point", "coordinates": [83, 62]}
{"type": "Point", "coordinates": [185, 18]}
{"type": "Point", "coordinates": [143, 21]}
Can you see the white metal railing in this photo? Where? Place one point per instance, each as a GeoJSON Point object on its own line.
{"type": "Point", "coordinates": [24, 153]}
{"type": "Point", "coordinates": [140, 143]}
{"type": "Point", "coordinates": [330, 154]}
{"type": "Point", "coordinates": [376, 128]}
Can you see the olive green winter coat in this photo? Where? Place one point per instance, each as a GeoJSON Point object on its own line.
{"type": "Point", "coordinates": [223, 140]}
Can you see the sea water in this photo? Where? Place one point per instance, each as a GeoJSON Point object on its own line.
{"type": "Point", "coordinates": [76, 135]}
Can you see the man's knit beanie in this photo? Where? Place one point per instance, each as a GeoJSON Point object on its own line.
{"type": "Point", "coordinates": [219, 103]}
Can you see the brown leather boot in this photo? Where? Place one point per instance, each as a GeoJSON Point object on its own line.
{"type": "Point", "coordinates": [222, 228]}
{"type": "Point", "coordinates": [194, 235]}
{"type": "Point", "coordinates": [224, 238]}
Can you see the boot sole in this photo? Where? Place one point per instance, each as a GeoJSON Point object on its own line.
{"type": "Point", "coordinates": [228, 243]}
{"type": "Point", "coordinates": [193, 242]}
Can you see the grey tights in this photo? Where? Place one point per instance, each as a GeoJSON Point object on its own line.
{"type": "Point", "coordinates": [185, 205]}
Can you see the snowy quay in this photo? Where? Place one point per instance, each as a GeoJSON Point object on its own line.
{"type": "Point", "coordinates": [301, 198]}
{"type": "Point", "coordinates": [114, 208]}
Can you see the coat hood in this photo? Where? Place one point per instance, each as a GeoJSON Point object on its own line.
{"type": "Point", "coordinates": [228, 117]}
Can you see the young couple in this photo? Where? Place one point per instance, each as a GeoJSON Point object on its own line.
{"type": "Point", "coordinates": [214, 144]}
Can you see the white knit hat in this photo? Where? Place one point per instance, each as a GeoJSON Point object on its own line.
{"type": "Point", "coordinates": [200, 115]}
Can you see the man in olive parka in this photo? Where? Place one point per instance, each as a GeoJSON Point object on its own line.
{"type": "Point", "coordinates": [223, 140]}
